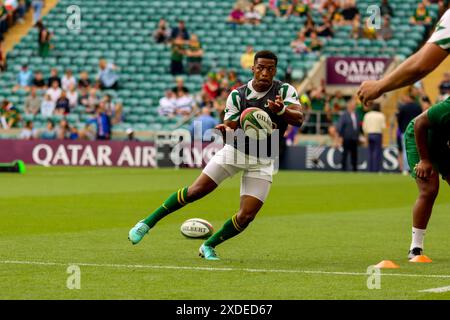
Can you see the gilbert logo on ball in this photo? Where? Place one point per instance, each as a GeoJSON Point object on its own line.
{"type": "Point", "coordinates": [256, 123]}
{"type": "Point", "coordinates": [196, 228]}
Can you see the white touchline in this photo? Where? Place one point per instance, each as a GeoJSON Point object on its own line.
{"type": "Point", "coordinates": [147, 266]}
{"type": "Point", "coordinates": [437, 290]}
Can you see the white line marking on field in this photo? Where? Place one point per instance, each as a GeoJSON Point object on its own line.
{"type": "Point", "coordinates": [437, 290]}
{"type": "Point", "coordinates": [146, 266]}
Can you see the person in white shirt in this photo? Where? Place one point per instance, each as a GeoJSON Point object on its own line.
{"type": "Point", "coordinates": [54, 91]}
{"type": "Point", "coordinates": [48, 106]}
{"type": "Point", "coordinates": [184, 103]}
{"type": "Point", "coordinates": [167, 104]}
{"type": "Point", "coordinates": [28, 132]}
{"type": "Point", "coordinates": [374, 122]}
{"type": "Point", "coordinates": [67, 80]}
{"type": "Point", "coordinates": [72, 95]}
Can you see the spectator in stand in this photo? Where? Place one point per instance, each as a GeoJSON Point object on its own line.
{"type": "Point", "coordinates": [167, 104]}
{"type": "Point", "coordinates": [194, 54]}
{"type": "Point", "coordinates": [116, 112]}
{"type": "Point", "coordinates": [386, 32]}
{"type": "Point", "coordinates": [220, 103]}
{"type": "Point", "coordinates": [349, 12]}
{"type": "Point", "coordinates": [418, 92]}
{"type": "Point", "coordinates": [91, 102]}
{"type": "Point", "coordinates": [37, 6]}
{"type": "Point", "coordinates": [233, 80]}
{"type": "Point", "coordinates": [63, 131]}
{"type": "Point", "coordinates": [74, 133]}
{"type": "Point", "coordinates": [326, 29]}
{"type": "Point", "coordinates": [88, 132]}
{"type": "Point", "coordinates": [444, 87]}
{"type": "Point", "coordinates": [374, 123]}
{"type": "Point", "coordinates": [327, 5]}
{"type": "Point", "coordinates": [260, 7]}
{"type": "Point", "coordinates": [180, 30]}
{"type": "Point", "coordinates": [179, 84]}
{"type": "Point", "coordinates": [236, 16]}
{"type": "Point", "coordinates": [130, 135]}
{"type": "Point", "coordinates": [38, 81]}
{"type": "Point", "coordinates": [300, 8]}
{"type": "Point", "coordinates": [309, 26]}
{"type": "Point", "coordinates": [24, 79]}
{"type": "Point", "coordinates": [83, 81]}
{"type": "Point", "coordinates": [252, 16]}
{"type": "Point", "coordinates": [20, 9]}
{"type": "Point", "coordinates": [386, 9]}
{"type": "Point", "coordinates": [176, 63]}
{"type": "Point", "coordinates": [348, 129]}
{"type": "Point", "coordinates": [299, 45]}
{"type": "Point", "coordinates": [54, 77]}
{"type": "Point", "coordinates": [3, 64]}
{"type": "Point", "coordinates": [9, 115]}
{"type": "Point", "coordinates": [54, 91]}
{"type": "Point", "coordinates": [202, 125]}
{"type": "Point", "coordinates": [44, 40]}
{"type": "Point", "coordinates": [316, 44]}
{"type": "Point", "coordinates": [162, 33]}
{"type": "Point", "coordinates": [47, 106]}
{"type": "Point", "coordinates": [421, 16]}
{"type": "Point", "coordinates": [33, 102]}
{"type": "Point", "coordinates": [247, 58]}
{"type": "Point", "coordinates": [3, 18]}
{"type": "Point", "coordinates": [337, 104]}
{"type": "Point", "coordinates": [184, 103]}
{"type": "Point", "coordinates": [49, 133]}
{"type": "Point", "coordinates": [103, 123]}
{"type": "Point", "coordinates": [107, 103]}
{"type": "Point", "coordinates": [73, 96]}
{"type": "Point", "coordinates": [28, 132]}
{"type": "Point", "coordinates": [366, 31]}
{"type": "Point", "coordinates": [282, 8]}
{"type": "Point", "coordinates": [62, 104]}
{"type": "Point", "coordinates": [107, 78]}
{"type": "Point", "coordinates": [211, 86]}
{"type": "Point", "coordinates": [67, 80]}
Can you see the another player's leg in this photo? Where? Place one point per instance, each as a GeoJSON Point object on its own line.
{"type": "Point", "coordinates": [428, 191]}
{"type": "Point", "coordinates": [253, 193]}
{"type": "Point", "coordinates": [202, 186]}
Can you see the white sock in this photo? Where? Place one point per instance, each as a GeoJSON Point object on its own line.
{"type": "Point", "coordinates": [417, 238]}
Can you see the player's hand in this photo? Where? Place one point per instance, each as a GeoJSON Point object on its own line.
{"type": "Point", "coordinates": [368, 91]}
{"type": "Point", "coordinates": [424, 169]}
{"type": "Point", "coordinates": [223, 128]}
{"type": "Point", "coordinates": [277, 105]}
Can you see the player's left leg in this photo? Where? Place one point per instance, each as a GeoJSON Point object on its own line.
{"type": "Point", "coordinates": [254, 191]}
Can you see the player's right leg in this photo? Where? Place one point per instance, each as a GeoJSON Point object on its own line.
{"type": "Point", "coordinates": [213, 174]}
{"type": "Point", "coordinates": [428, 191]}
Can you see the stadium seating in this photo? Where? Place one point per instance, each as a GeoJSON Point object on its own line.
{"type": "Point", "coordinates": [121, 31]}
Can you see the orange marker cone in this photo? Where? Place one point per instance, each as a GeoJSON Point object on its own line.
{"type": "Point", "coordinates": [421, 259]}
{"type": "Point", "coordinates": [387, 264]}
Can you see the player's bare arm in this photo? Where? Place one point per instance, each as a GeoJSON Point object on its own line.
{"type": "Point", "coordinates": [411, 70]}
{"type": "Point", "coordinates": [424, 168]}
{"type": "Point", "coordinates": [292, 113]}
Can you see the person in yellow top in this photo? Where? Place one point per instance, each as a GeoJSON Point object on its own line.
{"type": "Point", "coordinates": [247, 58]}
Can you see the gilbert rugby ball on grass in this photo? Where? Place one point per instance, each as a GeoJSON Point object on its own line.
{"type": "Point", "coordinates": [196, 228]}
{"type": "Point", "coordinates": [256, 123]}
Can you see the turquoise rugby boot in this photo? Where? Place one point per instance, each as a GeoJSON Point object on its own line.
{"type": "Point", "coordinates": [138, 232]}
{"type": "Point", "coordinates": [208, 253]}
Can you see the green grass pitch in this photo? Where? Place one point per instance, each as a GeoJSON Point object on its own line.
{"type": "Point", "coordinates": [314, 238]}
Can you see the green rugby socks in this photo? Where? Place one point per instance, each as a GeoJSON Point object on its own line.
{"type": "Point", "coordinates": [176, 201]}
{"type": "Point", "coordinates": [230, 229]}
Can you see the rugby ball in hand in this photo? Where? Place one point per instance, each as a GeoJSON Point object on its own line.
{"type": "Point", "coordinates": [256, 123]}
{"type": "Point", "coordinates": [196, 228]}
